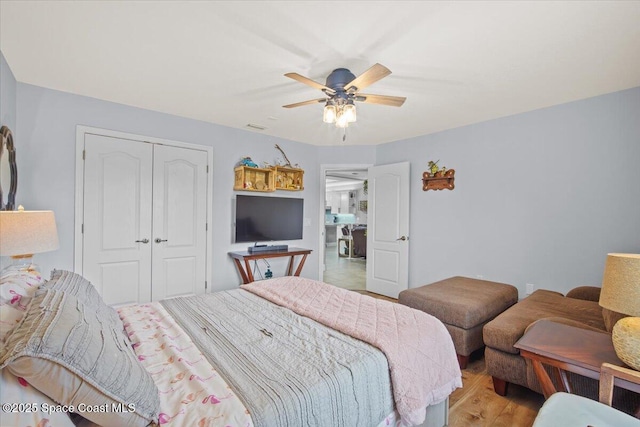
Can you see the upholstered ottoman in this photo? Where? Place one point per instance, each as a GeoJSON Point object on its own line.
{"type": "Point", "coordinates": [464, 305]}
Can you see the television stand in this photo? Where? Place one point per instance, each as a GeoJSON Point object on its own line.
{"type": "Point", "coordinates": [240, 257]}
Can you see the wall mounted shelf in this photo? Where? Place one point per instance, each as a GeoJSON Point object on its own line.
{"type": "Point", "coordinates": [291, 179]}
{"type": "Point", "coordinates": [254, 179]}
{"type": "Point", "coordinates": [249, 178]}
{"type": "Point", "coordinates": [443, 182]}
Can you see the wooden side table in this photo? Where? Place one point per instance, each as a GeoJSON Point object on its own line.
{"type": "Point", "coordinates": [244, 256]}
{"type": "Point", "coordinates": [568, 349]}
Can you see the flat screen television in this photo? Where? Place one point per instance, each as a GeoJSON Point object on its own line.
{"type": "Point", "coordinates": [266, 219]}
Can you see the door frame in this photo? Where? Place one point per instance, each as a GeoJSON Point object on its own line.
{"type": "Point", "coordinates": [323, 190]}
{"type": "Point", "coordinates": [81, 131]}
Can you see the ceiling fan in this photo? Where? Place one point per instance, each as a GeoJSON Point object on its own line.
{"type": "Point", "coordinates": [342, 90]}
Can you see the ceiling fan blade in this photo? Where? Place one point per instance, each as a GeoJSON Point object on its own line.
{"type": "Point", "coordinates": [312, 83]}
{"type": "Point", "coordinates": [309, 102]}
{"type": "Point", "coordinates": [367, 78]}
{"type": "Point", "coordinates": [393, 101]}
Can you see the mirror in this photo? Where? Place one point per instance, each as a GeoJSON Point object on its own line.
{"type": "Point", "coordinates": [8, 171]}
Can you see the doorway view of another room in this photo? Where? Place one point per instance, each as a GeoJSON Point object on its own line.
{"type": "Point", "coordinates": [346, 229]}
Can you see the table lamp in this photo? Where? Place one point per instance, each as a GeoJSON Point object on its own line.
{"type": "Point", "coordinates": [621, 293]}
{"type": "Point", "coordinates": [24, 233]}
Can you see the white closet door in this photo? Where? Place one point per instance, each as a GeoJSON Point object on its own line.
{"type": "Point", "coordinates": [179, 222]}
{"type": "Point", "coordinates": [117, 218]}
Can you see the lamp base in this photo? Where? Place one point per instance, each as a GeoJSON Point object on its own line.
{"type": "Point", "coordinates": [626, 341]}
{"type": "Point", "coordinates": [19, 264]}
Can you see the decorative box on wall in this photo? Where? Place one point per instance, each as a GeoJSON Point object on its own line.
{"type": "Point", "coordinates": [291, 179]}
{"type": "Point", "coordinates": [438, 180]}
{"type": "Point", "coordinates": [248, 178]}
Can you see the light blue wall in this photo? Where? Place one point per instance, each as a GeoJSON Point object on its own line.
{"type": "Point", "coordinates": [47, 126]}
{"type": "Point", "coordinates": [347, 154]}
{"type": "Point", "coordinates": [539, 197]}
{"type": "Point", "coordinates": [7, 95]}
{"type": "Point", "coordinates": [8, 117]}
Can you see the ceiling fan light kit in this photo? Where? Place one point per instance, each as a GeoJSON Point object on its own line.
{"type": "Point", "coordinates": [342, 91]}
{"type": "Point", "coordinates": [329, 114]}
{"type": "Point", "coordinates": [341, 120]}
{"type": "Point", "coordinates": [339, 112]}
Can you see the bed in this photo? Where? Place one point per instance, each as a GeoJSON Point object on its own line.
{"type": "Point", "coordinates": [281, 352]}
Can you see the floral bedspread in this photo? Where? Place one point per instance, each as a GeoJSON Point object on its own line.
{"type": "Point", "coordinates": [192, 393]}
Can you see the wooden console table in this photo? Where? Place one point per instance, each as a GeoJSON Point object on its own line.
{"type": "Point", "coordinates": [568, 348]}
{"type": "Point", "coordinates": [244, 256]}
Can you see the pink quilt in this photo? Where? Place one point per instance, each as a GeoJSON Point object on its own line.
{"type": "Point", "coordinates": [422, 361]}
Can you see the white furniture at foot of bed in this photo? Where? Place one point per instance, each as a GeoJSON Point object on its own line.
{"type": "Point", "coordinates": [437, 415]}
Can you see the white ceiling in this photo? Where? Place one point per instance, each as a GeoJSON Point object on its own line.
{"type": "Point", "coordinates": [336, 179]}
{"type": "Point", "coordinates": [223, 62]}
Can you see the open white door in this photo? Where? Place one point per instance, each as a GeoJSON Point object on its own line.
{"type": "Point", "coordinates": [388, 230]}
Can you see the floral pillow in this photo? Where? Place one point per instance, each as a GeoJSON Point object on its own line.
{"type": "Point", "coordinates": [17, 287]}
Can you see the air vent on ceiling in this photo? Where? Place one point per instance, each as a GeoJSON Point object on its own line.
{"type": "Point", "coordinates": [256, 127]}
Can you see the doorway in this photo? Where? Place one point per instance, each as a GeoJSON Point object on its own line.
{"type": "Point", "coordinates": [344, 225]}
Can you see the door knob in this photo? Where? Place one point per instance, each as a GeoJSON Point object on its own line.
{"type": "Point", "coordinates": [403, 238]}
{"type": "Point", "coordinates": [159, 240]}
{"type": "Point", "coordinates": [142, 241]}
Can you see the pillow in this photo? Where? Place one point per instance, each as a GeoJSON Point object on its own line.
{"type": "Point", "coordinates": [61, 348]}
{"type": "Point", "coordinates": [76, 285]}
{"type": "Point", "coordinates": [14, 390]}
{"type": "Point", "coordinates": [17, 287]}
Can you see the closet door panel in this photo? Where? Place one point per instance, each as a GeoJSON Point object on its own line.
{"type": "Point", "coordinates": [179, 218]}
{"type": "Point", "coordinates": [117, 216]}
{"type": "Point", "coordinates": [121, 282]}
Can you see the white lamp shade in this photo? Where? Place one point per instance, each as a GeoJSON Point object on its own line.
{"type": "Point", "coordinates": [621, 284]}
{"type": "Point", "coordinates": [27, 232]}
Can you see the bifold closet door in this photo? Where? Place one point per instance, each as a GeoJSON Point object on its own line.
{"type": "Point", "coordinates": [145, 220]}
{"type": "Point", "coordinates": [179, 222]}
{"type": "Point", "coordinates": [118, 218]}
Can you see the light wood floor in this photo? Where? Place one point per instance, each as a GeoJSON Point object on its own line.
{"type": "Point", "coordinates": [477, 405]}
